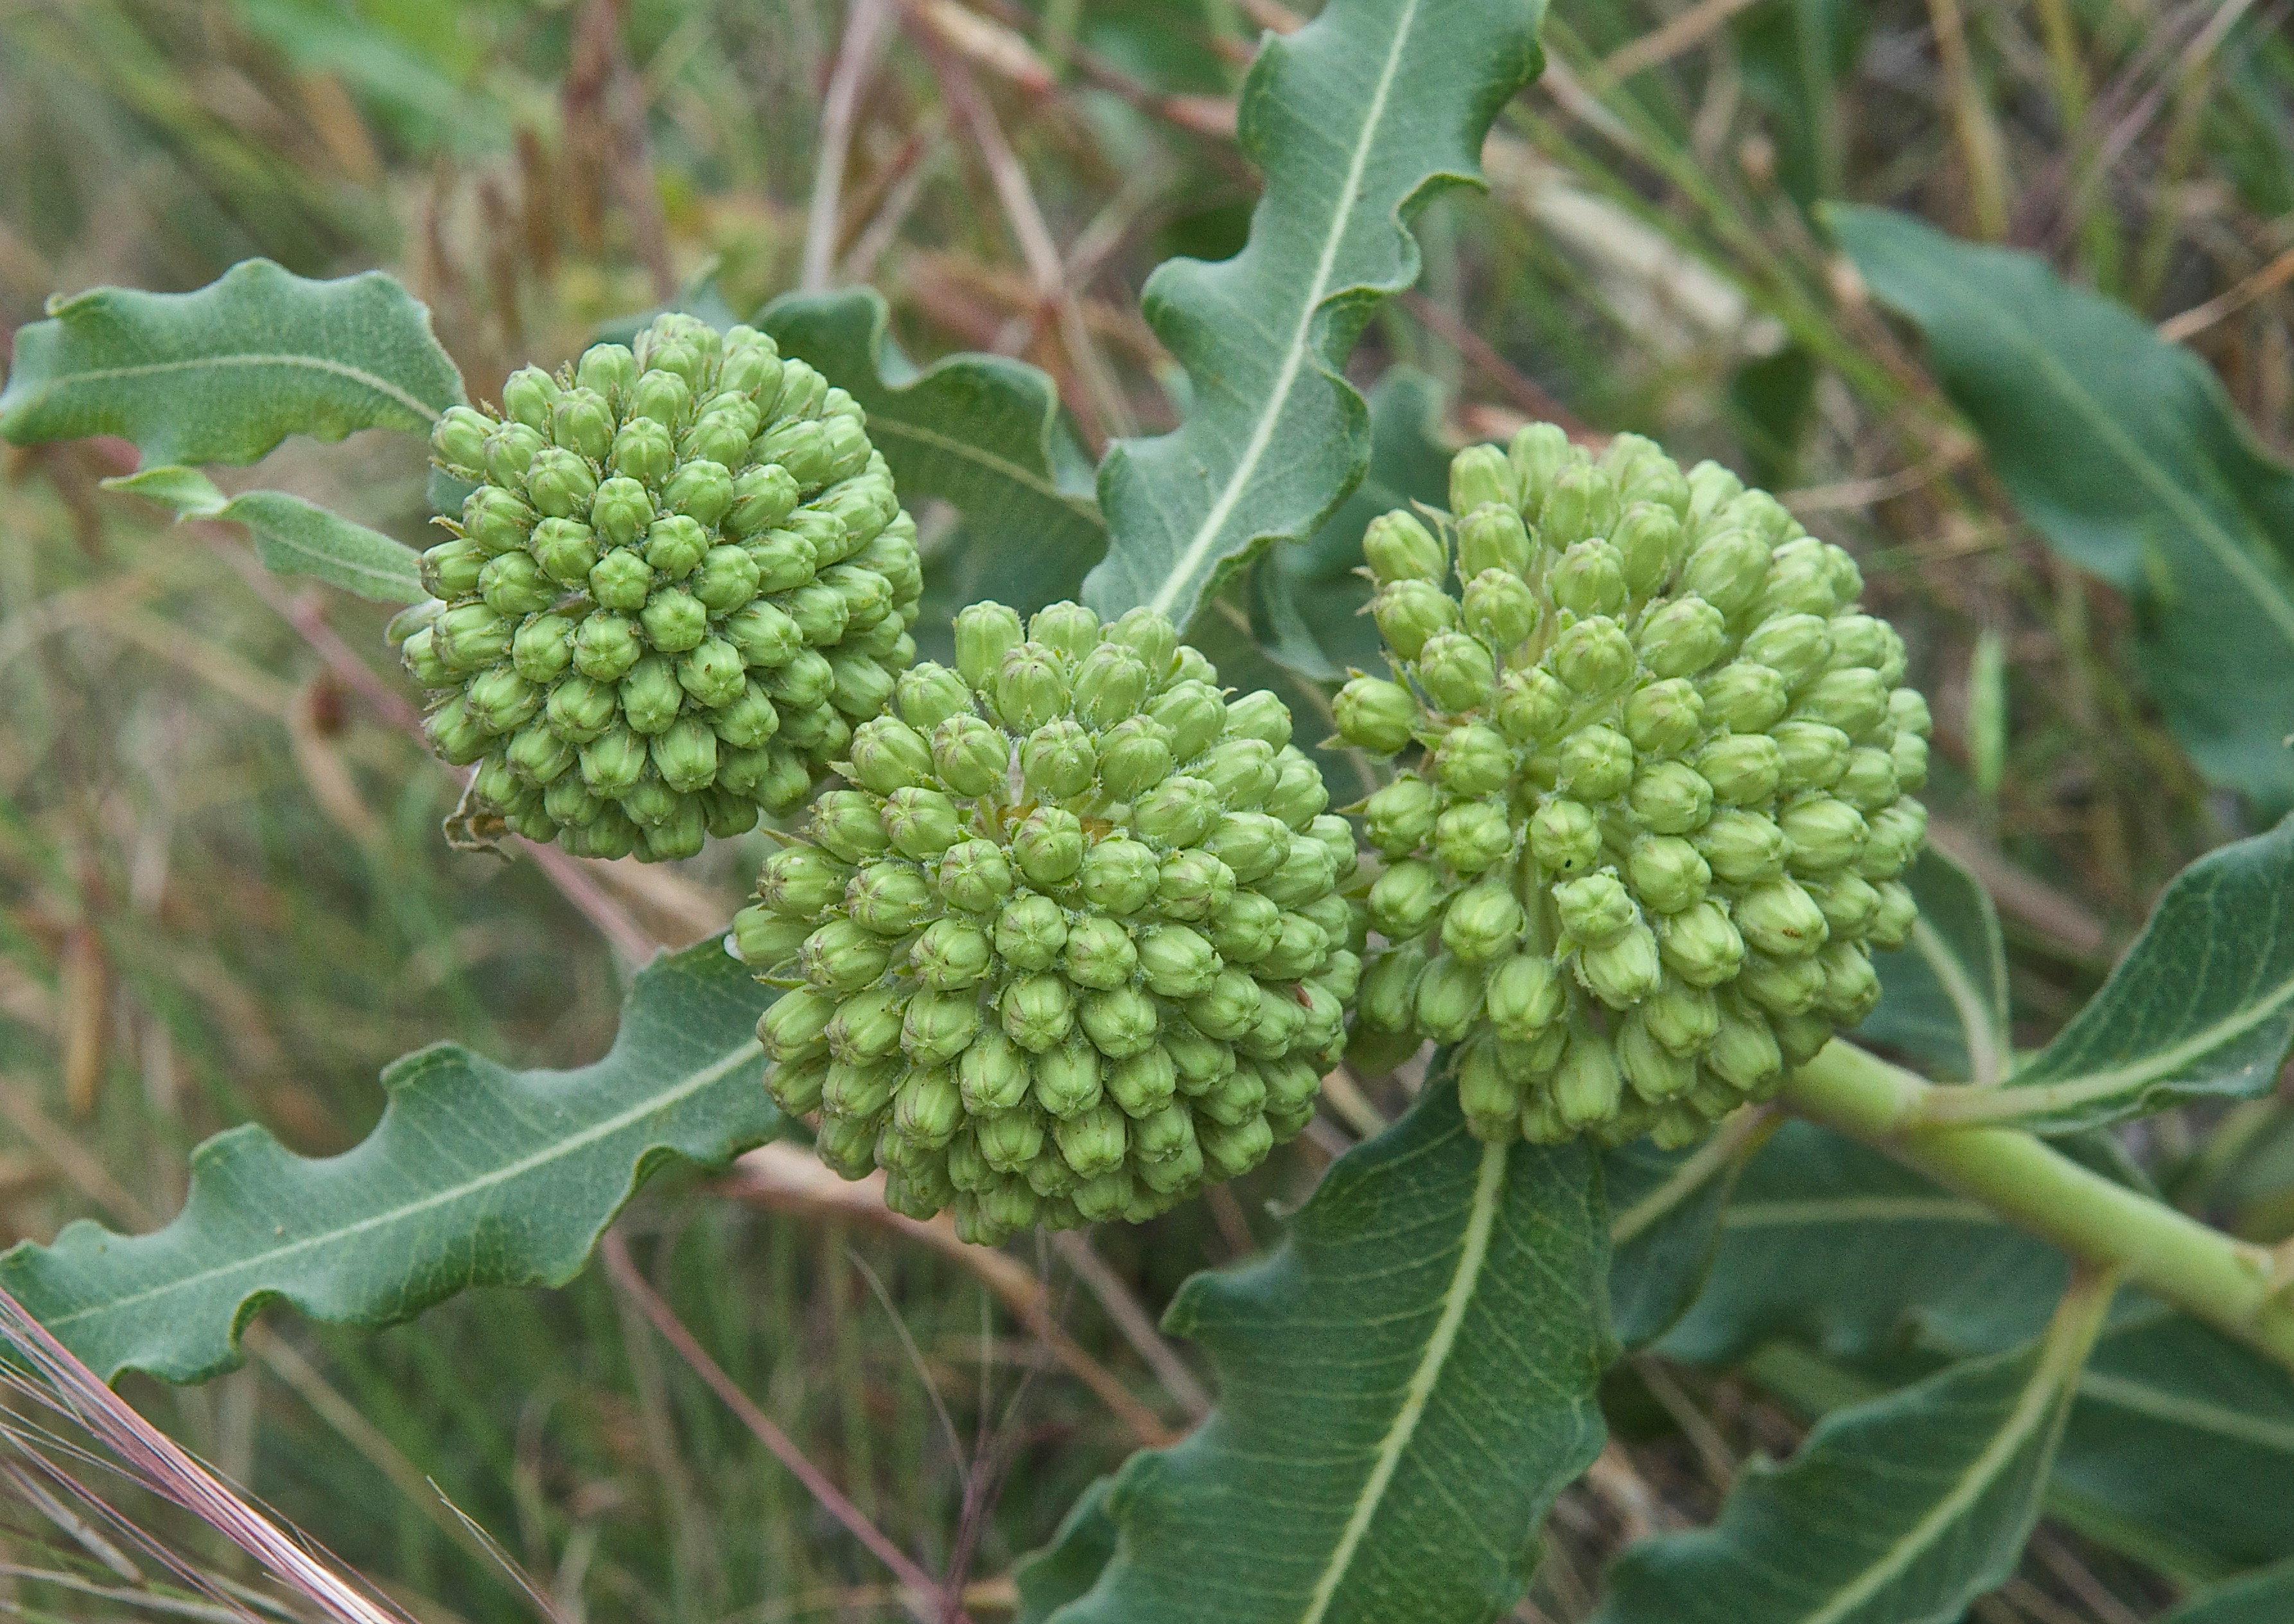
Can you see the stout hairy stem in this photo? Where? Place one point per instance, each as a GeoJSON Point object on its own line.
{"type": "Point", "coordinates": [2235, 1287]}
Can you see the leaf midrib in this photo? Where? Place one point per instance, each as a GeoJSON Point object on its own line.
{"type": "Point", "coordinates": [358, 375]}
{"type": "Point", "coordinates": [1984, 1048]}
{"type": "Point", "coordinates": [1294, 358]}
{"type": "Point", "coordinates": [1857, 1209]}
{"type": "Point", "coordinates": [691, 1082]}
{"type": "Point", "coordinates": [1481, 1220]}
{"type": "Point", "coordinates": [2123, 1392]}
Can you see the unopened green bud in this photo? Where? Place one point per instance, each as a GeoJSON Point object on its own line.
{"type": "Point", "coordinates": [1409, 612]}
{"type": "Point", "coordinates": [1701, 946]}
{"type": "Point", "coordinates": [1456, 672]}
{"type": "Point", "coordinates": [1067, 626]}
{"type": "Point", "coordinates": [1449, 996]}
{"type": "Point", "coordinates": [471, 636]}
{"type": "Point", "coordinates": [843, 957]}
{"type": "Point", "coordinates": [457, 441]}
{"type": "Point", "coordinates": [1795, 647]}
{"type": "Point", "coordinates": [578, 710]}
{"type": "Point", "coordinates": [802, 683]}
{"type": "Point", "coordinates": [674, 544]}
{"type": "Point", "coordinates": [1110, 684]}
{"type": "Point", "coordinates": [1030, 931]}
{"type": "Point", "coordinates": [1375, 715]}
{"type": "Point", "coordinates": [643, 451]}
{"type": "Point", "coordinates": [1149, 635]}
{"type": "Point", "coordinates": [1855, 700]}
{"type": "Point", "coordinates": [928, 1108]}
{"type": "Point", "coordinates": [1869, 782]}
{"type": "Point", "coordinates": [1822, 834]}
{"type": "Point", "coordinates": [1388, 1001]}
{"type": "Point", "coordinates": [1067, 1080]}
{"type": "Point", "coordinates": [921, 823]}
{"type": "Point", "coordinates": [609, 368]}
{"type": "Point", "coordinates": [1683, 637]}
{"type": "Point", "coordinates": [1473, 836]}
{"type": "Point", "coordinates": [1782, 987]}
{"type": "Point", "coordinates": [793, 1028]}
{"type": "Point", "coordinates": [1501, 609]}
{"type": "Point", "coordinates": [1405, 898]}
{"type": "Point", "coordinates": [1744, 697]}
{"type": "Point", "coordinates": [726, 579]}
{"type": "Point", "coordinates": [867, 1028]}
{"type": "Point", "coordinates": [1491, 536]}
{"type": "Point", "coordinates": [1743, 1052]}
{"type": "Point", "coordinates": [1682, 1017]}
{"type": "Point", "coordinates": [1193, 712]}
{"type": "Point", "coordinates": [1048, 846]}
{"type": "Point", "coordinates": [846, 823]}
{"type": "Point", "coordinates": [1122, 1022]}
{"type": "Point", "coordinates": [501, 701]}
{"type": "Point", "coordinates": [888, 755]}
{"type": "Point", "coordinates": [1648, 542]}
{"type": "Point", "coordinates": [721, 435]}
{"type": "Point", "coordinates": [1030, 689]}
{"type": "Point", "coordinates": [496, 520]}
{"type": "Point", "coordinates": [540, 755]}
{"type": "Point", "coordinates": [419, 654]}
{"type": "Point", "coordinates": [1401, 815]}
{"type": "Point", "coordinates": [1654, 1072]}
{"type": "Point", "coordinates": [1226, 1010]}
{"type": "Point", "coordinates": [1780, 919]}
{"type": "Point", "coordinates": [1180, 811]}
{"type": "Point", "coordinates": [1623, 971]}
{"type": "Point", "coordinates": [510, 451]}
{"type": "Point", "coordinates": [1300, 796]}
{"type": "Point", "coordinates": [1590, 578]}
{"type": "Point", "coordinates": [1245, 930]}
{"type": "Point", "coordinates": [1728, 569]}
{"type": "Point", "coordinates": [559, 483]}
{"type": "Point", "coordinates": [685, 755]}
{"type": "Point", "coordinates": [662, 395]}
{"type": "Point", "coordinates": [621, 579]}
{"type": "Point", "coordinates": [888, 897]}
{"type": "Point", "coordinates": [1098, 952]}
{"type": "Point", "coordinates": [1742, 768]}
{"type": "Point", "coordinates": [1850, 904]}
{"type": "Point", "coordinates": [1250, 843]}
{"type": "Point", "coordinates": [1564, 836]}
{"type": "Point", "coordinates": [566, 549]}
{"type": "Point", "coordinates": [799, 882]}
{"type": "Point", "coordinates": [1398, 548]}
{"type": "Point", "coordinates": [765, 940]}
{"type": "Point", "coordinates": [1481, 474]}
{"type": "Point", "coordinates": [1538, 453]}
{"type": "Point", "coordinates": [1038, 1011]}
{"type": "Point", "coordinates": [1668, 874]}
{"type": "Point", "coordinates": [1483, 921]}
{"type": "Point", "coordinates": [1142, 1086]}
{"type": "Point", "coordinates": [1177, 962]}
{"type": "Point", "coordinates": [1118, 875]}
{"type": "Point", "coordinates": [1241, 772]}
{"type": "Point", "coordinates": [1594, 656]}
{"type": "Point", "coordinates": [1526, 995]}
{"type": "Point", "coordinates": [1192, 885]}
{"type": "Point", "coordinates": [452, 568]}
{"type": "Point", "coordinates": [651, 695]}
{"type": "Point", "coordinates": [1597, 762]}
{"type": "Point", "coordinates": [1801, 581]}
{"type": "Point", "coordinates": [1581, 503]}
{"type": "Point", "coordinates": [712, 674]}
{"type": "Point", "coordinates": [1893, 919]}
{"type": "Point", "coordinates": [1489, 1098]}
{"type": "Point", "coordinates": [1742, 847]}
{"type": "Point", "coordinates": [984, 633]}
{"type": "Point", "coordinates": [1664, 717]}
{"type": "Point", "coordinates": [1670, 799]}
{"type": "Point", "coordinates": [1532, 705]}
{"type": "Point", "coordinates": [1596, 908]}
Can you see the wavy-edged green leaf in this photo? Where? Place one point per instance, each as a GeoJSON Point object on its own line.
{"type": "Point", "coordinates": [2266, 1597]}
{"type": "Point", "coordinates": [292, 537]}
{"type": "Point", "coordinates": [476, 1176]}
{"type": "Point", "coordinates": [1832, 1245]}
{"type": "Point", "coordinates": [1307, 602]}
{"type": "Point", "coordinates": [1405, 1384]}
{"type": "Point", "coordinates": [1068, 1567]}
{"type": "Point", "coordinates": [2202, 1007]}
{"type": "Point", "coordinates": [983, 433]}
{"type": "Point", "coordinates": [225, 373]}
{"type": "Point", "coordinates": [1943, 994]}
{"type": "Point", "coordinates": [1898, 1511]}
{"type": "Point", "coordinates": [1355, 120]}
{"type": "Point", "coordinates": [2125, 452]}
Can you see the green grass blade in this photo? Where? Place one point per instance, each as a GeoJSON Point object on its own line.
{"type": "Point", "coordinates": [2124, 452]}
{"type": "Point", "coordinates": [225, 373]}
{"type": "Point", "coordinates": [476, 1176]}
{"type": "Point", "coordinates": [1356, 121]}
{"type": "Point", "coordinates": [1404, 1386]}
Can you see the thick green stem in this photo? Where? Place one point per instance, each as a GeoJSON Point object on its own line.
{"type": "Point", "coordinates": [2235, 1286]}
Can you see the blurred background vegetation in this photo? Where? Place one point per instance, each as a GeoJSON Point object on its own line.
{"type": "Point", "coordinates": [224, 897]}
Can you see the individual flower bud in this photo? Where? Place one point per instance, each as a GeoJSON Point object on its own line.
{"type": "Point", "coordinates": [1481, 474]}
{"type": "Point", "coordinates": [1623, 971]}
{"type": "Point", "coordinates": [1405, 898]}
{"type": "Point", "coordinates": [920, 822]}
{"type": "Point", "coordinates": [950, 955]}
{"type": "Point", "coordinates": [711, 674]}
{"type": "Point", "coordinates": [984, 633]}
{"type": "Point", "coordinates": [1473, 836]}
{"type": "Point", "coordinates": [1030, 689]}
{"type": "Point", "coordinates": [842, 957]}
{"type": "Point", "coordinates": [1596, 908]}
{"type": "Point", "coordinates": [510, 451]}
{"type": "Point", "coordinates": [1667, 874]}
{"type": "Point", "coordinates": [1564, 836]}
{"type": "Point", "coordinates": [1030, 931]}
{"type": "Point", "coordinates": [726, 580]}
{"type": "Point", "coordinates": [763, 498]}
{"type": "Point", "coordinates": [579, 709]}
{"type": "Point", "coordinates": [1593, 657]}
{"type": "Point", "coordinates": [1456, 672]}
{"type": "Point", "coordinates": [643, 451]}
{"type": "Point", "coordinates": [1780, 919]}
{"type": "Point", "coordinates": [1375, 715]}
{"type": "Point", "coordinates": [1409, 611]}
{"type": "Point", "coordinates": [1650, 1069]}
{"type": "Point", "coordinates": [1299, 796]}
{"type": "Point", "coordinates": [1068, 627]}
{"type": "Point", "coordinates": [496, 520]}
{"type": "Point", "coordinates": [1907, 753]}
{"type": "Point", "coordinates": [1449, 997]}
{"type": "Point", "coordinates": [1590, 578]}
{"type": "Point", "coordinates": [1744, 1053]}
{"type": "Point", "coordinates": [619, 513]}
{"type": "Point", "coordinates": [621, 579]}
{"type": "Point", "coordinates": [1098, 952]}
{"type": "Point", "coordinates": [674, 544]}
{"type": "Point", "coordinates": [1250, 843]}
{"type": "Point", "coordinates": [801, 683]}
{"type": "Point", "coordinates": [890, 898]}
{"type": "Point", "coordinates": [1822, 834]}
{"type": "Point", "coordinates": [1682, 637]}
{"type": "Point", "coordinates": [1895, 835]}
{"type": "Point", "coordinates": [1491, 536]}
{"type": "Point", "coordinates": [1038, 1011]}
{"type": "Point", "coordinates": [514, 586]}
{"type": "Point", "coordinates": [1581, 502]}
{"type": "Point", "coordinates": [500, 700]}
{"type": "Point", "coordinates": [1241, 772]}
{"type": "Point", "coordinates": [1499, 608]}
{"type": "Point", "coordinates": [1728, 568]}
{"type": "Point", "coordinates": [457, 441]}
{"type": "Point", "coordinates": [1781, 986]}
{"type": "Point", "coordinates": [928, 694]}
{"type": "Point", "coordinates": [451, 569]}
{"type": "Point", "coordinates": [1701, 944]}
{"type": "Point", "coordinates": [1473, 759]}
{"type": "Point", "coordinates": [1682, 1017]}
{"type": "Point", "coordinates": [1744, 697]}
{"type": "Point", "coordinates": [846, 823]}
{"type": "Point", "coordinates": [1850, 903]}
{"type": "Point", "coordinates": [662, 395]}
{"type": "Point", "coordinates": [1743, 847]}
{"type": "Point", "coordinates": [1483, 922]}
{"type": "Point", "coordinates": [1743, 769]}
{"type": "Point", "coordinates": [1893, 919]}
{"type": "Point", "coordinates": [1180, 811]}
{"type": "Point", "coordinates": [1664, 717]}
{"type": "Point", "coordinates": [1237, 1097]}
{"type": "Point", "coordinates": [1647, 542]}
{"type": "Point", "coordinates": [685, 754]}
{"type": "Point", "coordinates": [1119, 876]}
{"type": "Point", "coordinates": [1142, 1085]}
{"type": "Point", "coordinates": [1596, 763]}
{"type": "Point", "coordinates": [888, 755]}
{"type": "Point", "coordinates": [1192, 885]}
{"type": "Point", "coordinates": [793, 1028]}
{"type": "Point", "coordinates": [939, 1026]}
{"type": "Point", "coordinates": [651, 695]}
{"type": "Point", "coordinates": [1177, 962]}
{"type": "Point", "coordinates": [1398, 548]}
{"type": "Point", "coordinates": [1048, 846]}
{"type": "Point", "coordinates": [1110, 684]}
{"type": "Point", "coordinates": [1388, 998]}
{"type": "Point", "coordinates": [1532, 705]}
{"type": "Point", "coordinates": [559, 483]}
{"type": "Point", "coordinates": [1670, 799]}
{"type": "Point", "coordinates": [764, 940]}
{"type": "Point", "coordinates": [1067, 1080]}
{"type": "Point", "coordinates": [540, 756]}
{"type": "Point", "coordinates": [1227, 1010]}
{"type": "Point", "coordinates": [1524, 996]}
{"type": "Point", "coordinates": [1795, 647]}
{"type": "Point", "coordinates": [867, 1028]}
{"type": "Point", "coordinates": [1489, 1100]}
{"type": "Point", "coordinates": [970, 756]}
{"type": "Point", "coordinates": [801, 880]}
{"type": "Point", "coordinates": [1192, 713]}
{"type": "Point", "coordinates": [1245, 930]}
{"type": "Point", "coordinates": [1401, 815]}
{"type": "Point", "coordinates": [928, 1109]}
{"type": "Point", "coordinates": [1538, 452]}
{"type": "Point", "coordinates": [1298, 947]}
{"type": "Point", "coordinates": [1855, 700]}
{"type": "Point", "coordinates": [1868, 781]}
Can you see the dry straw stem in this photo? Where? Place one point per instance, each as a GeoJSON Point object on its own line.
{"type": "Point", "coordinates": [2236, 1287]}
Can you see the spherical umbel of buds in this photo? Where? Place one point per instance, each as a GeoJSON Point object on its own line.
{"type": "Point", "coordinates": [1073, 945]}
{"type": "Point", "coordinates": [681, 581]}
{"type": "Point", "coordinates": [1655, 809]}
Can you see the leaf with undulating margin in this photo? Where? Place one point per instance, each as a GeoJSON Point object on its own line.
{"type": "Point", "coordinates": [1307, 602]}
{"type": "Point", "coordinates": [1405, 1384]}
{"type": "Point", "coordinates": [225, 373]}
{"type": "Point", "coordinates": [1068, 1567]}
{"type": "Point", "coordinates": [1898, 1511]}
{"type": "Point", "coordinates": [2125, 454]}
{"type": "Point", "coordinates": [292, 537]}
{"type": "Point", "coordinates": [2181, 1449]}
{"type": "Point", "coordinates": [1944, 998]}
{"type": "Point", "coordinates": [1834, 1245]}
{"type": "Point", "coordinates": [2266, 1597]}
{"type": "Point", "coordinates": [983, 433]}
{"type": "Point", "coordinates": [1355, 120]}
{"type": "Point", "coordinates": [476, 1176]}
{"type": "Point", "coordinates": [2202, 1007]}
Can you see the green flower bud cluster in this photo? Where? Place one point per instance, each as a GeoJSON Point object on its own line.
{"type": "Point", "coordinates": [682, 580]}
{"type": "Point", "coordinates": [1655, 809]}
{"type": "Point", "coordinates": [1073, 943]}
